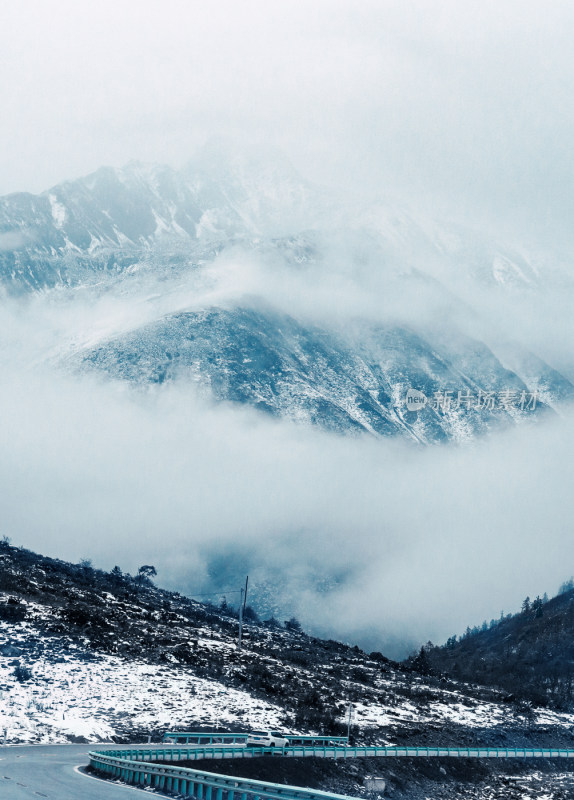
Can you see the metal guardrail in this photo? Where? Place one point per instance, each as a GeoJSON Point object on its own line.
{"type": "Point", "coordinates": [140, 766]}
{"type": "Point", "coordinates": [201, 737]}
{"type": "Point", "coordinates": [325, 751]}
{"type": "Point", "coordinates": [313, 741]}
{"type": "Point", "coordinates": [196, 783]}
{"type": "Point", "coordinates": [459, 752]}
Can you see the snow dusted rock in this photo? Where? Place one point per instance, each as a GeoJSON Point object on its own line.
{"type": "Point", "coordinates": [9, 651]}
{"type": "Point", "coordinates": [344, 381]}
{"type": "Point", "coordinates": [188, 245]}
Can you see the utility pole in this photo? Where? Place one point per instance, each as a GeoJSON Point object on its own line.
{"type": "Point", "coordinates": [240, 620]}
{"type": "Point", "coordinates": [349, 721]}
{"type": "Point", "coordinates": [242, 603]}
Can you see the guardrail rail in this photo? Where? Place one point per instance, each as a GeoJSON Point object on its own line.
{"type": "Point", "coordinates": [142, 766]}
{"type": "Point", "coordinates": [127, 766]}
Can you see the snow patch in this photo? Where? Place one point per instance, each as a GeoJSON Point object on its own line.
{"type": "Point", "coordinates": [59, 213]}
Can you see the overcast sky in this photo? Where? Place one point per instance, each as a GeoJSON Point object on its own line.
{"type": "Point", "coordinates": [467, 102]}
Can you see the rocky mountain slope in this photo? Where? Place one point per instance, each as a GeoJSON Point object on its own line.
{"type": "Point", "coordinates": [90, 655]}
{"type": "Point", "coordinates": [340, 382]}
{"type": "Point", "coordinates": [240, 277]}
{"type": "Point", "coordinates": [114, 219]}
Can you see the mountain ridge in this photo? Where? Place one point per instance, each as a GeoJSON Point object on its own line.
{"type": "Point", "coordinates": [242, 247]}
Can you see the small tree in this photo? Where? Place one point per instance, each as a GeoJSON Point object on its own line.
{"type": "Point", "coordinates": [145, 573]}
{"type": "Point", "coordinates": [525, 605]}
{"type": "Point", "coordinates": [22, 673]}
{"type": "Point", "coordinates": [293, 624]}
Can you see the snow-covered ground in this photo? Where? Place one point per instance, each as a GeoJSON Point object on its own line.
{"type": "Point", "coordinates": [76, 692]}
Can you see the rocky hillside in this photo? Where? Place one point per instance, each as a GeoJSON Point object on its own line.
{"type": "Point", "coordinates": [342, 382]}
{"type": "Point", "coordinates": [91, 655]}
{"type": "Point", "coordinates": [530, 654]}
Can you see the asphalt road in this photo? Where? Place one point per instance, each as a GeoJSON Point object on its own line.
{"type": "Point", "coordinates": [48, 771]}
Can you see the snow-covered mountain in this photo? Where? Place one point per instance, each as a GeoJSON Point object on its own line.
{"type": "Point", "coordinates": [113, 218]}
{"type": "Point", "coordinates": [352, 381]}
{"type": "Point", "coordinates": [263, 289]}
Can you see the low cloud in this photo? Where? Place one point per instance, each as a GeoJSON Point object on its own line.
{"type": "Point", "coordinates": [377, 541]}
{"type": "Point", "coordinates": [420, 542]}
{"type": "Point", "coordinates": [11, 240]}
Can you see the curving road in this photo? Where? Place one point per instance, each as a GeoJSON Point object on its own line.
{"type": "Point", "coordinates": [48, 771]}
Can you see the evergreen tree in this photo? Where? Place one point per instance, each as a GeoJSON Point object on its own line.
{"type": "Point", "coordinates": [538, 607]}
{"type": "Point", "coordinates": [420, 663]}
